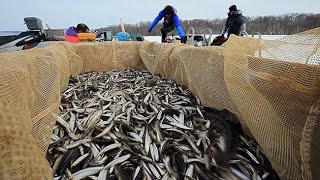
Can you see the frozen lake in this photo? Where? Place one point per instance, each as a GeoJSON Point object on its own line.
{"type": "Point", "coordinates": [9, 33]}
{"type": "Point", "coordinates": [155, 38]}
{"type": "Point", "coordinates": [286, 52]}
{"type": "Point", "coordinates": [266, 37]}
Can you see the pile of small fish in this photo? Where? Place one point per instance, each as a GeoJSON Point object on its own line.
{"type": "Point", "coordinates": [131, 124]}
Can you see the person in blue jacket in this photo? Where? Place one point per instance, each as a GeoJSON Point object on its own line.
{"type": "Point", "coordinates": [171, 21]}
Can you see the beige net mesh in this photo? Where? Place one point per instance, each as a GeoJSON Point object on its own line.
{"type": "Point", "coordinates": [272, 86]}
{"type": "Point", "coordinates": [21, 158]}
{"type": "Point", "coordinates": [275, 91]}
{"type": "Point", "coordinates": [109, 56]}
{"type": "Point", "coordinates": [199, 69]}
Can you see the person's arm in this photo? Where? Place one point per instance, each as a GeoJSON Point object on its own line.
{"type": "Point", "coordinates": [156, 20]}
{"type": "Point", "coordinates": [225, 28]}
{"type": "Point", "coordinates": [71, 31]}
{"type": "Point", "coordinates": [176, 22]}
{"type": "Point", "coordinates": [243, 29]}
{"type": "Point", "coordinates": [240, 21]}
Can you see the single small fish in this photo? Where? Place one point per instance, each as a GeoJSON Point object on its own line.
{"type": "Point", "coordinates": [85, 173]}
{"type": "Point", "coordinates": [117, 161]}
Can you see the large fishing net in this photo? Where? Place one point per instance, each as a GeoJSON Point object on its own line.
{"type": "Point", "coordinates": [272, 86]}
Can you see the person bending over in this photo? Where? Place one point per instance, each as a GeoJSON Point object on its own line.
{"type": "Point", "coordinates": [72, 33]}
{"type": "Point", "coordinates": [171, 22]}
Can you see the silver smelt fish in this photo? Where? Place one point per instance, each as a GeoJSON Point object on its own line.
{"type": "Point", "coordinates": [117, 161]}
{"type": "Point", "coordinates": [137, 124]}
{"type": "Point", "coordinates": [86, 172]}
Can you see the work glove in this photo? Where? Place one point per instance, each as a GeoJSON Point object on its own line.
{"type": "Point", "coordinates": [224, 30]}
{"type": "Point", "coordinates": [184, 39]}
{"type": "Point", "coordinates": [149, 30]}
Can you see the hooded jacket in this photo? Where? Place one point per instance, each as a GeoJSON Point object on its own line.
{"type": "Point", "coordinates": [72, 35]}
{"type": "Point", "coordinates": [235, 24]}
{"type": "Point", "coordinates": [167, 22]}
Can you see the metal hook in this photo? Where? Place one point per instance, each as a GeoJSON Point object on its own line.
{"type": "Point", "coordinates": [190, 42]}
{"type": "Point", "coordinates": [258, 34]}
{"type": "Point", "coordinates": [259, 38]}
{"type": "Point", "coordinates": [208, 41]}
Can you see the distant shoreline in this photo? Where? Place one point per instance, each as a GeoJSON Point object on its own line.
{"type": "Point", "coordinates": [9, 33]}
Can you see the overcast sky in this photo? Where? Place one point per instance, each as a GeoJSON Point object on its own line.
{"type": "Point", "coordinates": [102, 13]}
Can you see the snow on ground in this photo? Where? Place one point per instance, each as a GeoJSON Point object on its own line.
{"type": "Point", "coordinates": [266, 37]}
{"type": "Point", "coordinates": [285, 52]}
{"type": "Point", "coordinates": [9, 33]}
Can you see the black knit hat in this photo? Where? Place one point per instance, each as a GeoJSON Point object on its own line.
{"type": "Point", "coordinates": [233, 8]}
{"type": "Point", "coordinates": [82, 27]}
{"type": "Point", "coordinates": [168, 10]}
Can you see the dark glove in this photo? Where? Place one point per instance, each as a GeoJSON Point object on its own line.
{"type": "Point", "coordinates": [183, 39]}
{"type": "Point", "coordinates": [149, 30]}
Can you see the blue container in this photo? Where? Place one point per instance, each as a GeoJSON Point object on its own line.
{"type": "Point", "coordinates": [123, 37]}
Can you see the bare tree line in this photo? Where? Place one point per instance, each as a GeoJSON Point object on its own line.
{"type": "Point", "coordinates": [283, 25]}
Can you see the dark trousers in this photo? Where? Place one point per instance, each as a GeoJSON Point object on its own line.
{"type": "Point", "coordinates": [165, 30]}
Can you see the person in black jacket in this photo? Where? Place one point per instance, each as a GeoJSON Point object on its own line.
{"type": "Point", "coordinates": [235, 23]}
